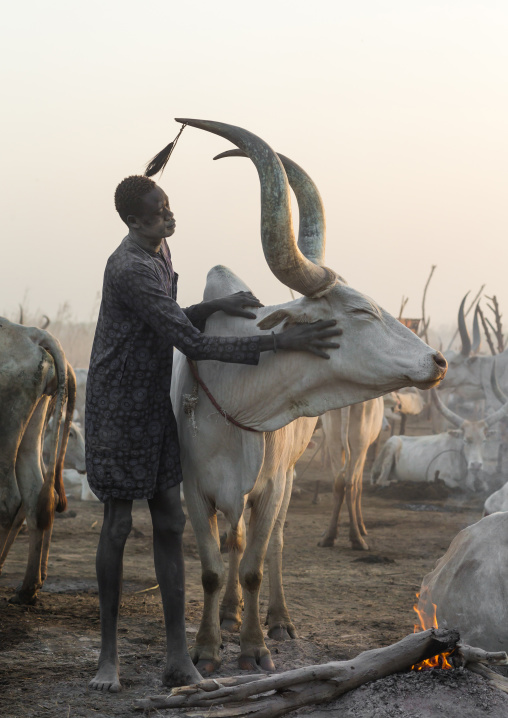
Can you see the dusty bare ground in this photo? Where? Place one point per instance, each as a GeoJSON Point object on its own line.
{"type": "Point", "coordinates": [342, 602]}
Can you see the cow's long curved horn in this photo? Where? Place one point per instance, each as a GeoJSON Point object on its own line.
{"type": "Point", "coordinates": [476, 331]}
{"type": "Point", "coordinates": [497, 415]}
{"type": "Point", "coordinates": [281, 251]}
{"type": "Point", "coordinates": [312, 229]}
{"type": "Point", "coordinates": [498, 392]}
{"type": "Point", "coordinates": [452, 417]}
{"type": "Point", "coordinates": [464, 334]}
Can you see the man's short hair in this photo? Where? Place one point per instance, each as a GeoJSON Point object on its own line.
{"type": "Point", "coordinates": [129, 195]}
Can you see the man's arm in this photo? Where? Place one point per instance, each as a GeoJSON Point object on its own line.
{"type": "Point", "coordinates": [139, 288]}
{"type": "Point", "coordinates": [234, 305]}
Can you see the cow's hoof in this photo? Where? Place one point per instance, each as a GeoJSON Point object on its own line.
{"type": "Point", "coordinates": [282, 632]}
{"type": "Point", "coordinates": [230, 624]}
{"type": "Point", "coordinates": [24, 598]}
{"type": "Point", "coordinates": [206, 666]}
{"type": "Point", "coordinates": [326, 542]}
{"type": "Point", "coordinates": [359, 545]}
{"type": "Point", "coordinates": [256, 665]}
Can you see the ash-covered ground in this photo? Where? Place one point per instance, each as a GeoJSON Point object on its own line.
{"type": "Point", "coordinates": [420, 694]}
{"type": "Point", "coordinates": [340, 605]}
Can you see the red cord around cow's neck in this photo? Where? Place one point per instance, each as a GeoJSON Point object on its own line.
{"type": "Point", "coordinates": [207, 391]}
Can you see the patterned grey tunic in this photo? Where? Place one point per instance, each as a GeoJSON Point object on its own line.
{"type": "Point", "coordinates": [132, 446]}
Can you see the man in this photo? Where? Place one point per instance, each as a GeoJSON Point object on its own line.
{"type": "Point", "coordinates": [131, 435]}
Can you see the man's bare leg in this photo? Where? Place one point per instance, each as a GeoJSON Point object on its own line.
{"type": "Point", "coordinates": [168, 522]}
{"type": "Point", "coordinates": [109, 564]}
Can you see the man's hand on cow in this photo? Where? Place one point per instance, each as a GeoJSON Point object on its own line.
{"type": "Point", "coordinates": [236, 304]}
{"type": "Point", "coordinates": [310, 337]}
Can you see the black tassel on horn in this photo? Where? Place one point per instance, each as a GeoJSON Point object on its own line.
{"type": "Point", "coordinates": [159, 162]}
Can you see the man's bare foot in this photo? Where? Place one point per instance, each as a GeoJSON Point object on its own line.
{"type": "Point", "coordinates": [181, 673]}
{"type": "Point", "coordinates": [107, 678]}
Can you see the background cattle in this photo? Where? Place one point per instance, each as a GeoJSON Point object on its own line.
{"type": "Point", "coordinates": [35, 380]}
{"type": "Point", "coordinates": [348, 434]}
{"type": "Point", "coordinates": [455, 456]}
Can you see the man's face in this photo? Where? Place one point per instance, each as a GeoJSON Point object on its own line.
{"type": "Point", "coordinates": [157, 220]}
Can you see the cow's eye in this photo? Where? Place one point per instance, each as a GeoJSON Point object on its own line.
{"type": "Point", "coordinates": [364, 314]}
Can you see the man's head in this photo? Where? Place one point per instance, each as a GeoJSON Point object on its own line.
{"type": "Point", "coordinates": [144, 207]}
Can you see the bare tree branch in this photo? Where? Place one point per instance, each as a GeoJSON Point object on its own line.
{"type": "Point", "coordinates": [403, 303]}
{"type": "Point", "coordinates": [423, 332]}
{"type": "Point", "coordinates": [498, 330]}
{"type": "Point", "coordinates": [486, 331]}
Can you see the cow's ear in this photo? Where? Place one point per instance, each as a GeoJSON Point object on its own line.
{"type": "Point", "coordinates": [283, 315]}
{"type": "Point", "coordinates": [456, 433]}
{"type": "Point", "coordinates": [273, 319]}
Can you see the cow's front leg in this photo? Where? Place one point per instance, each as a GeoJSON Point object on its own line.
{"type": "Point", "coordinates": [339, 492]}
{"type": "Point", "coordinates": [358, 506]}
{"type": "Point", "coordinates": [254, 654]}
{"type": "Point", "coordinates": [206, 650]}
{"type": "Point", "coordinates": [232, 602]}
{"type": "Point", "coordinates": [353, 496]}
{"type": "Point", "coordinates": [280, 626]}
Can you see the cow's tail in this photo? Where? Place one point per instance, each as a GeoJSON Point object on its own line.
{"type": "Point", "coordinates": [46, 500]}
{"type": "Point", "coordinates": [235, 539]}
{"type": "Point", "coordinates": [69, 412]}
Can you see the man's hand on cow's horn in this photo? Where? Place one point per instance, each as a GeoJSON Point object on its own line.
{"type": "Point", "coordinates": [310, 337]}
{"type": "Point", "coordinates": [235, 304]}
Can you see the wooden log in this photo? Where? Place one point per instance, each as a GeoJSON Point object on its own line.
{"type": "Point", "coordinates": [309, 685]}
{"type": "Point", "coordinates": [494, 679]}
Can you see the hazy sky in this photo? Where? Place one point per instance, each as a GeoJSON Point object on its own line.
{"type": "Point", "coordinates": [397, 109]}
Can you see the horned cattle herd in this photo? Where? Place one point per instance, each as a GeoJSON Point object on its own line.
{"type": "Point", "coordinates": [452, 409]}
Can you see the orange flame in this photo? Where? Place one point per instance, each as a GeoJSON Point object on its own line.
{"type": "Point", "coordinates": [426, 622]}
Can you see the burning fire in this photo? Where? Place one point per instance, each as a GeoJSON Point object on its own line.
{"type": "Point", "coordinates": [426, 622]}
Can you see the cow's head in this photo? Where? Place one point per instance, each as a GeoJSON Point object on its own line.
{"type": "Point", "coordinates": [75, 453]}
{"type": "Point", "coordinates": [393, 402]}
{"type": "Point", "coordinates": [377, 353]}
{"type": "Point", "coordinates": [464, 366]}
{"type": "Point", "coordinates": [471, 437]}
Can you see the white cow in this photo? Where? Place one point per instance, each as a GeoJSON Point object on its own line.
{"type": "Point", "coordinates": [469, 374]}
{"type": "Point", "coordinates": [454, 454]}
{"type": "Point", "coordinates": [34, 377]}
{"type": "Point", "coordinates": [348, 433]}
{"type": "Point", "coordinates": [72, 478]}
{"type": "Point", "coordinates": [226, 467]}
{"type": "Point", "coordinates": [498, 501]}
{"type": "Point", "coordinates": [401, 404]}
{"type": "Point", "coordinates": [469, 585]}
{"type": "Point", "coordinates": [74, 457]}
{"type": "Point", "coordinates": [74, 473]}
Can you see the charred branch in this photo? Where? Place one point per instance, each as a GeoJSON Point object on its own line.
{"type": "Point", "coordinates": [281, 693]}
